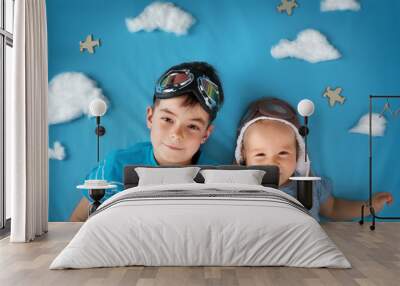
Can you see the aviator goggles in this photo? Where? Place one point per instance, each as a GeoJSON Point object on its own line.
{"type": "Point", "coordinates": [178, 82]}
{"type": "Point", "coordinates": [270, 107]}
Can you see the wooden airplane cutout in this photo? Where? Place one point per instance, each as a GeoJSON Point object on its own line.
{"type": "Point", "coordinates": [334, 95]}
{"type": "Point", "coordinates": [89, 44]}
{"type": "Point", "coordinates": [288, 6]}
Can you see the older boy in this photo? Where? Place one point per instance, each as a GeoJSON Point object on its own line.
{"type": "Point", "coordinates": [186, 100]}
{"type": "Point", "coordinates": [268, 135]}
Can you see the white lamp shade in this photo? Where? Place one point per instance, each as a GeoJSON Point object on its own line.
{"type": "Point", "coordinates": [97, 107]}
{"type": "Point", "coordinates": [305, 107]}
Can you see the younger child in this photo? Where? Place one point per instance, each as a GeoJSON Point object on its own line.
{"type": "Point", "coordinates": [268, 135]}
{"type": "Point", "coordinates": [186, 100]}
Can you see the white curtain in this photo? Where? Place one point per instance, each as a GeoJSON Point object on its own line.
{"type": "Point", "coordinates": [26, 123]}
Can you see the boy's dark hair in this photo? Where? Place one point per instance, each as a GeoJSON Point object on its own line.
{"type": "Point", "coordinates": [204, 68]}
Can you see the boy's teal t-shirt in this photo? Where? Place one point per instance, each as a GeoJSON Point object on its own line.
{"type": "Point", "coordinates": [112, 167]}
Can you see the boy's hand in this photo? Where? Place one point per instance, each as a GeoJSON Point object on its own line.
{"type": "Point", "coordinates": [379, 200]}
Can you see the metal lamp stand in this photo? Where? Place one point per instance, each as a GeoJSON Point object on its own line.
{"type": "Point", "coordinates": [371, 207]}
{"type": "Point", "coordinates": [97, 194]}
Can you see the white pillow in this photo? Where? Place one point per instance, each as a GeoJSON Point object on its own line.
{"type": "Point", "coordinates": [249, 177]}
{"type": "Point", "coordinates": [162, 176]}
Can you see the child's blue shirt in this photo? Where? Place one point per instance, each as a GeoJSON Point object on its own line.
{"type": "Point", "coordinates": [322, 190]}
{"type": "Point", "coordinates": [112, 167]}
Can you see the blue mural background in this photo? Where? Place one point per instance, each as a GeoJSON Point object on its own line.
{"type": "Point", "coordinates": [236, 37]}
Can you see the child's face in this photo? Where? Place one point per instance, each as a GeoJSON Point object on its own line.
{"type": "Point", "coordinates": [177, 131]}
{"type": "Point", "coordinates": [269, 142]}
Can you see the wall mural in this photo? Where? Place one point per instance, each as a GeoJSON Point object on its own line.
{"type": "Point", "coordinates": [321, 44]}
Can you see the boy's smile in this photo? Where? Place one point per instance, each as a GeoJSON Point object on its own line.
{"type": "Point", "coordinates": [177, 130]}
{"type": "Point", "coordinates": [173, 147]}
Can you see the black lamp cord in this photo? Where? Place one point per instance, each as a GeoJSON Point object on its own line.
{"type": "Point", "coordinates": [98, 137]}
{"type": "Point", "coordinates": [305, 136]}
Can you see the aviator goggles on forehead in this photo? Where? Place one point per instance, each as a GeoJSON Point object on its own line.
{"type": "Point", "coordinates": [270, 107]}
{"type": "Point", "coordinates": [178, 82]}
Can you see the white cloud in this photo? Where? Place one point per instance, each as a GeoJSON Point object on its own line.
{"type": "Point", "coordinates": [378, 125]}
{"type": "Point", "coordinates": [69, 96]}
{"type": "Point", "coordinates": [162, 15]}
{"type": "Point", "coordinates": [58, 151]}
{"type": "Point", "coordinates": [333, 5]}
{"type": "Point", "coordinates": [310, 45]}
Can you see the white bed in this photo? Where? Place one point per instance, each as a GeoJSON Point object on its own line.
{"type": "Point", "coordinates": [222, 224]}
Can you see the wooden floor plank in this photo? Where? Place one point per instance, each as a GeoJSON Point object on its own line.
{"type": "Point", "coordinates": [374, 255]}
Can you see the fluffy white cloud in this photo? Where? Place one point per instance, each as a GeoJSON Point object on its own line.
{"type": "Point", "coordinates": [69, 96]}
{"type": "Point", "coordinates": [333, 5]}
{"type": "Point", "coordinates": [58, 151]}
{"type": "Point", "coordinates": [162, 15]}
{"type": "Point", "coordinates": [378, 125]}
{"type": "Point", "coordinates": [310, 45]}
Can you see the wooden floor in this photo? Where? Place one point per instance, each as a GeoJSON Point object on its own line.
{"type": "Point", "coordinates": [374, 255]}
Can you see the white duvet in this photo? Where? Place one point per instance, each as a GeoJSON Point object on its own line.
{"type": "Point", "coordinates": [185, 230]}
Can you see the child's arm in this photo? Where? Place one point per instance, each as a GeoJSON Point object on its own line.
{"type": "Point", "coordinates": [340, 209]}
{"type": "Point", "coordinates": [81, 211]}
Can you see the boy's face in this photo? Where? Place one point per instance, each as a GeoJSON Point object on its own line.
{"type": "Point", "coordinates": [268, 142]}
{"type": "Point", "coordinates": [177, 131]}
